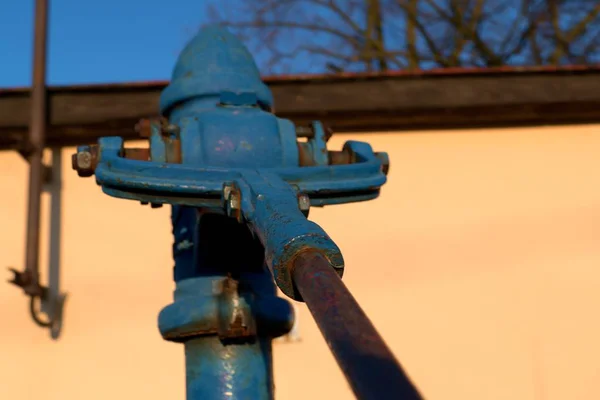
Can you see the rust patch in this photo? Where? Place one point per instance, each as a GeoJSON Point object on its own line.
{"type": "Point", "coordinates": [173, 150]}
{"type": "Point", "coordinates": [236, 322]}
{"type": "Point", "coordinates": [304, 155]}
{"type": "Point", "coordinates": [181, 336]}
{"type": "Point", "coordinates": [137, 154]}
{"type": "Point", "coordinates": [339, 157]}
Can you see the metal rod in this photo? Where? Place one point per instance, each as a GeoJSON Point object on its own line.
{"type": "Point", "coordinates": [55, 191]}
{"type": "Point", "coordinates": [368, 364]}
{"type": "Point", "coordinates": [36, 143]}
{"type": "Point", "coordinates": [53, 303]}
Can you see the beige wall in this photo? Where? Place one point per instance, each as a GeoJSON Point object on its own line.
{"type": "Point", "coordinates": [479, 264]}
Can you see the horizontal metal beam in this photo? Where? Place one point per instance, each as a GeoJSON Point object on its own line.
{"type": "Point", "coordinates": [445, 99]}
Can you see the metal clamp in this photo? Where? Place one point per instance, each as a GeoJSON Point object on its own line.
{"type": "Point", "coordinates": [273, 202]}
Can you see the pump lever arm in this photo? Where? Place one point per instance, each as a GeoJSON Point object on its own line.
{"type": "Point", "coordinates": [272, 208]}
{"type": "Point", "coordinates": [307, 266]}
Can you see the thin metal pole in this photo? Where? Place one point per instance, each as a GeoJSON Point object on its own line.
{"type": "Point", "coordinates": [53, 303]}
{"type": "Point", "coordinates": [36, 144]}
{"type": "Point", "coordinates": [370, 367]}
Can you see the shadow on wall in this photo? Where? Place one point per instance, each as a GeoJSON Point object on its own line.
{"type": "Point", "coordinates": [478, 264]}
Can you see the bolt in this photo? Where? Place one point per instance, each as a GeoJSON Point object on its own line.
{"type": "Point", "coordinates": [85, 160]}
{"type": "Point", "coordinates": [233, 202]}
{"type": "Point", "coordinates": [304, 203]}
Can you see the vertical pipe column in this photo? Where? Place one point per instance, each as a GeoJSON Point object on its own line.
{"type": "Point", "coordinates": [226, 310]}
{"type": "Point", "coordinates": [35, 150]}
{"type": "Point", "coordinates": [215, 371]}
{"type": "Point", "coordinates": [220, 362]}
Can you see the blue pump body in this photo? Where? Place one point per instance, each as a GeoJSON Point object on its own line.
{"type": "Point", "coordinates": [232, 172]}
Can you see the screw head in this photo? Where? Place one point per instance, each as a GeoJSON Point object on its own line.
{"type": "Point", "coordinates": [84, 160]}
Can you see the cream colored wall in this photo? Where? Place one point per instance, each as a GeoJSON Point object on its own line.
{"type": "Point", "coordinates": [479, 264]}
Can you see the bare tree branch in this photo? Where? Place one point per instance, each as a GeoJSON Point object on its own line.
{"type": "Point", "coordinates": [377, 35]}
{"type": "Point", "coordinates": [563, 41]}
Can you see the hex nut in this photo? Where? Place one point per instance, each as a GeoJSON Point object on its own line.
{"type": "Point", "coordinates": [84, 161]}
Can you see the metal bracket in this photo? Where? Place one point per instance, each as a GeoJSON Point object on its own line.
{"type": "Point", "coordinates": [161, 182]}
{"type": "Point", "coordinates": [273, 202]}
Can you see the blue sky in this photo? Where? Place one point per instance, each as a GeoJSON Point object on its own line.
{"type": "Point", "coordinates": [137, 40]}
{"type": "Point", "coordinates": [116, 40]}
{"type": "Point", "coordinates": [98, 41]}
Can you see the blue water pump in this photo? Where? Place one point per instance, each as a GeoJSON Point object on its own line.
{"type": "Point", "coordinates": [241, 185]}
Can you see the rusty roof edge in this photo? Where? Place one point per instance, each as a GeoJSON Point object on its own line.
{"type": "Point", "coordinates": [567, 69]}
{"type": "Point", "coordinates": [318, 78]}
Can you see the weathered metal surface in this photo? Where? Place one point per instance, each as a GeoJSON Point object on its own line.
{"type": "Point", "coordinates": [370, 367]}
{"type": "Point", "coordinates": [440, 99]}
{"type": "Point", "coordinates": [227, 334]}
{"type": "Point", "coordinates": [235, 176]}
{"type": "Point", "coordinates": [217, 305]}
{"type": "Point", "coordinates": [137, 154]}
{"type": "Point", "coordinates": [214, 371]}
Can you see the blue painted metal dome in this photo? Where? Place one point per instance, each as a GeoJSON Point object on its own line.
{"type": "Point", "coordinates": [214, 61]}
